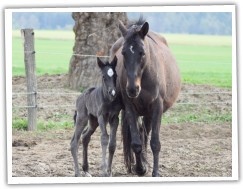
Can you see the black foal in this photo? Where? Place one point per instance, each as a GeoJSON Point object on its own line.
{"type": "Point", "coordinates": [98, 106]}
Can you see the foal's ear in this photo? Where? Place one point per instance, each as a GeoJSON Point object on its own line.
{"type": "Point", "coordinates": [122, 28]}
{"type": "Point", "coordinates": [100, 63]}
{"type": "Point", "coordinates": [144, 30]}
{"type": "Point", "coordinates": [114, 62]}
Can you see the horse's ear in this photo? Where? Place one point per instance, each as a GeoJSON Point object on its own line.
{"type": "Point", "coordinates": [114, 62]}
{"type": "Point", "coordinates": [122, 28]}
{"type": "Point", "coordinates": [100, 63]}
{"type": "Point", "coordinates": [144, 30]}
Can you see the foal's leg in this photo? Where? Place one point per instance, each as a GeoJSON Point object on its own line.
{"type": "Point", "coordinates": [81, 122]}
{"type": "Point", "coordinates": [114, 121]}
{"type": "Point", "coordinates": [104, 142]}
{"type": "Point", "coordinates": [93, 124]}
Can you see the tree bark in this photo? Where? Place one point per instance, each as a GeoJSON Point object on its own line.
{"type": "Point", "coordinates": [94, 35]}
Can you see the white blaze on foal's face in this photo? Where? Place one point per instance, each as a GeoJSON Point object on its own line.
{"type": "Point", "coordinates": [110, 72]}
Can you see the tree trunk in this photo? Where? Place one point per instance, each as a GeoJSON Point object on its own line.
{"type": "Point", "coordinates": [94, 35]}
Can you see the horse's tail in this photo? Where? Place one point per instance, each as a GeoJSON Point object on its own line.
{"type": "Point", "coordinates": [126, 137]}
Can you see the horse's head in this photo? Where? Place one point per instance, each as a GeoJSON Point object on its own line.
{"type": "Point", "coordinates": [134, 56]}
{"type": "Point", "coordinates": [108, 77]}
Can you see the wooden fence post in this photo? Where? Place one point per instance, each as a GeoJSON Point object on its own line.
{"type": "Point", "coordinates": [29, 59]}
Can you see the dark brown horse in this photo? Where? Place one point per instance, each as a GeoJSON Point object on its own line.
{"type": "Point", "coordinates": [149, 81]}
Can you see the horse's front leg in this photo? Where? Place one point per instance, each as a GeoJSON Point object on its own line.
{"type": "Point", "coordinates": [104, 142]}
{"type": "Point", "coordinates": [157, 110]}
{"type": "Point", "coordinates": [114, 121]}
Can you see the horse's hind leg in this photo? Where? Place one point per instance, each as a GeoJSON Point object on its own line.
{"type": "Point", "coordinates": [81, 122]}
{"type": "Point", "coordinates": [146, 125]}
{"type": "Point", "coordinates": [112, 144]}
{"type": "Point", "coordinates": [93, 124]}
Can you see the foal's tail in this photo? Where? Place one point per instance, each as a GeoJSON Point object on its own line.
{"type": "Point", "coordinates": [126, 137]}
{"type": "Point", "coordinates": [74, 117]}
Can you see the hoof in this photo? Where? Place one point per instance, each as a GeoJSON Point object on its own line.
{"type": "Point", "coordinates": [86, 174]}
{"type": "Point", "coordinates": [109, 174]}
{"type": "Point", "coordinates": [155, 174]}
{"type": "Point", "coordinates": [106, 174]}
{"type": "Point", "coordinates": [140, 171]}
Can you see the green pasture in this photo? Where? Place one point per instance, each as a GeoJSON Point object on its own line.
{"type": "Point", "coordinates": [202, 59]}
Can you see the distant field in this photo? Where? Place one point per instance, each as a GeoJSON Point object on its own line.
{"type": "Point", "coordinates": [202, 59]}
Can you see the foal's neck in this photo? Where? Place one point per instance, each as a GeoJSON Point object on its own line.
{"type": "Point", "coordinates": [104, 94]}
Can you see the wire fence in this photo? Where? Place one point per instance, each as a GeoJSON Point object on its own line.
{"type": "Point", "coordinates": [40, 93]}
{"type": "Point", "coordinates": [78, 93]}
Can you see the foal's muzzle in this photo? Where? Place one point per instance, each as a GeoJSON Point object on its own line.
{"type": "Point", "coordinates": [112, 94]}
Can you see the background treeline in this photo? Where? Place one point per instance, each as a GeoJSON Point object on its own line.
{"type": "Point", "coordinates": [40, 20]}
{"type": "Point", "coordinates": [214, 23]}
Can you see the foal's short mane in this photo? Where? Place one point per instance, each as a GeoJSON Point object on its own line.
{"type": "Point", "coordinates": [90, 89]}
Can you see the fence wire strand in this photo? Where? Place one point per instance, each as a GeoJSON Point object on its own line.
{"type": "Point", "coordinates": [74, 54]}
{"type": "Point", "coordinates": [78, 93]}
{"type": "Point", "coordinates": [73, 105]}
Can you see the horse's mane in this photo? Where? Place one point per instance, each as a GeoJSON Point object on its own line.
{"type": "Point", "coordinates": [133, 27]}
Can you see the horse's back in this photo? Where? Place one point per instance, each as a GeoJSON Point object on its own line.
{"type": "Point", "coordinates": [167, 69]}
{"type": "Point", "coordinates": [157, 37]}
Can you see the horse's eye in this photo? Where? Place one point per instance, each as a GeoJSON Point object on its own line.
{"type": "Point", "coordinates": [123, 53]}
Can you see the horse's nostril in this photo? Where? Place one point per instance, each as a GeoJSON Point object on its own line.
{"type": "Point", "coordinates": [132, 92]}
{"type": "Point", "coordinates": [137, 88]}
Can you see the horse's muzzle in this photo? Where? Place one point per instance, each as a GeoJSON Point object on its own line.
{"type": "Point", "coordinates": [133, 92]}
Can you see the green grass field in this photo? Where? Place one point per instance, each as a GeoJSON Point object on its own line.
{"type": "Point", "coordinates": [201, 59]}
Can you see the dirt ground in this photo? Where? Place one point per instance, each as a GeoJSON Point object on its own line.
{"type": "Point", "coordinates": [198, 149]}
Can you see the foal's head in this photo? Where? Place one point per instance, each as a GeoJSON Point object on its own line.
{"type": "Point", "coordinates": [134, 55]}
{"type": "Point", "coordinates": [109, 76]}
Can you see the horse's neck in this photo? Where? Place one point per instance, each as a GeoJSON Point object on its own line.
{"type": "Point", "coordinates": [153, 66]}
